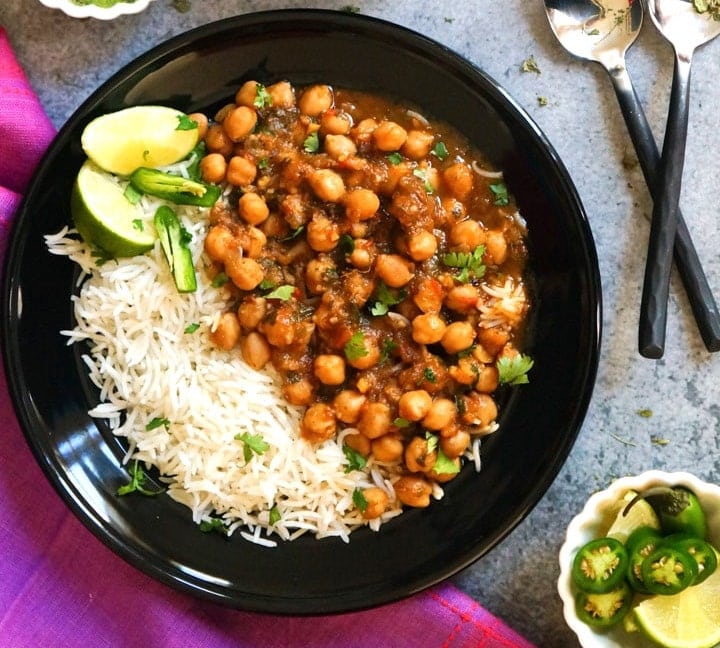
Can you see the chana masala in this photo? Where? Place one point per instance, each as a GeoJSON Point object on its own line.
{"type": "Point", "coordinates": [375, 261]}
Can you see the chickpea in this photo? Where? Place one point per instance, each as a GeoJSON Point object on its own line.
{"type": "Point", "coordinates": [319, 273]}
{"type": "Point", "coordinates": [327, 185]}
{"type": "Point", "coordinates": [422, 246]}
{"type": "Point", "coordinates": [282, 95]}
{"type": "Point", "coordinates": [388, 448]}
{"type": "Point", "coordinates": [339, 147]}
{"type": "Point", "coordinates": [202, 123]}
{"type": "Point", "coordinates": [467, 235]}
{"type": "Point", "coordinates": [227, 331]}
{"type": "Point", "coordinates": [428, 328]}
{"type": "Point", "coordinates": [255, 350]}
{"type": "Point", "coordinates": [251, 311]}
{"type": "Point", "coordinates": [363, 130]}
{"type": "Point", "coordinates": [253, 208]}
{"type": "Point", "coordinates": [240, 171]}
{"type": "Point", "coordinates": [466, 371]}
{"type": "Point", "coordinates": [254, 242]}
{"type": "Point", "coordinates": [462, 299]}
{"type": "Point", "coordinates": [417, 455]}
{"type": "Point", "coordinates": [480, 409]}
{"type": "Point", "coordinates": [363, 254]}
{"type": "Point", "coordinates": [493, 339]}
{"type": "Point", "coordinates": [417, 145]}
{"type": "Point", "coordinates": [458, 336]}
{"type": "Point", "coordinates": [348, 404]}
{"type": "Point", "coordinates": [224, 112]}
{"type": "Point", "coordinates": [442, 413]}
{"type": "Point", "coordinates": [453, 208]}
{"type": "Point", "coordinates": [413, 490]}
{"type": "Point", "coordinates": [374, 420]}
{"type": "Point", "coordinates": [246, 94]}
{"type": "Point", "coordinates": [217, 141]}
{"type": "Point", "coordinates": [301, 392]}
{"type": "Point", "coordinates": [414, 405]}
{"type": "Point", "coordinates": [496, 247]}
{"type": "Point", "coordinates": [389, 136]}
{"type": "Point", "coordinates": [395, 173]}
{"type": "Point", "coordinates": [361, 204]}
{"type": "Point", "coordinates": [318, 423]}
{"type": "Point", "coordinates": [376, 500]}
{"type": "Point", "coordinates": [240, 122]}
{"type": "Point", "coordinates": [245, 273]}
{"type": "Point", "coordinates": [459, 179]}
{"type": "Point", "coordinates": [456, 444]}
{"type": "Point", "coordinates": [394, 270]}
{"type": "Point", "coordinates": [323, 234]}
{"type": "Point", "coordinates": [487, 379]}
{"type": "Point", "coordinates": [335, 123]}
{"type": "Point", "coordinates": [358, 442]}
{"type": "Point", "coordinates": [213, 167]}
{"type": "Point", "coordinates": [427, 295]}
{"type": "Point", "coordinates": [315, 100]}
{"type": "Point", "coordinates": [220, 243]}
{"type": "Point", "coordinates": [329, 369]}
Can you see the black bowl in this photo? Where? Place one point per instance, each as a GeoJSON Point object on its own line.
{"type": "Point", "coordinates": [538, 425]}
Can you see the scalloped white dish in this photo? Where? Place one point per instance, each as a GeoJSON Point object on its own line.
{"type": "Point", "coordinates": [595, 519]}
{"type": "Point", "coordinates": [93, 11]}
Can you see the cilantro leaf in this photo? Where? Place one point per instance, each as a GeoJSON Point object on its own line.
{"type": "Point", "coordinates": [253, 444]}
{"type": "Point", "coordinates": [262, 97]}
{"type": "Point", "coordinates": [384, 298]}
{"type": "Point", "coordinates": [346, 244]}
{"type": "Point", "coordinates": [156, 423]}
{"type": "Point", "coordinates": [501, 193]}
{"type": "Point", "coordinates": [214, 524]}
{"type": "Point", "coordinates": [422, 175]}
{"type": "Point", "coordinates": [220, 280]}
{"type": "Point", "coordinates": [469, 264]}
{"type": "Point", "coordinates": [401, 422]}
{"type": "Point", "coordinates": [355, 347]}
{"type": "Point", "coordinates": [312, 143]}
{"type": "Point", "coordinates": [359, 500]}
{"type": "Point", "coordinates": [275, 515]}
{"type": "Point", "coordinates": [513, 371]}
{"type": "Point", "coordinates": [429, 375]}
{"type": "Point", "coordinates": [394, 158]}
{"type": "Point", "coordinates": [283, 293]}
{"type": "Point", "coordinates": [355, 461]}
{"type": "Point", "coordinates": [191, 328]}
{"type": "Point", "coordinates": [440, 151]}
{"type": "Point", "coordinates": [432, 442]}
{"type": "Point", "coordinates": [185, 123]}
{"type": "Point", "coordinates": [137, 483]}
{"type": "Point", "coordinates": [388, 346]}
{"type": "Point", "coordinates": [444, 465]}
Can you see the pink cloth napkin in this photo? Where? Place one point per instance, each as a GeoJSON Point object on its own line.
{"type": "Point", "coordinates": [60, 586]}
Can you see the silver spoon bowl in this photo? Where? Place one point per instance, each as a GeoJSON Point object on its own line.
{"type": "Point", "coordinates": [602, 31]}
{"type": "Point", "coordinates": [686, 29]}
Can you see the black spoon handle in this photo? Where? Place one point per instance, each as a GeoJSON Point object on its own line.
{"type": "Point", "coordinates": [688, 263]}
{"type": "Point", "coordinates": [656, 287]}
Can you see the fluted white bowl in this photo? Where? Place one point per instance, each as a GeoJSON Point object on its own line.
{"type": "Point", "coordinates": [93, 11]}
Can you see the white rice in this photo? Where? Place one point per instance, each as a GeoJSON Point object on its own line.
{"type": "Point", "coordinates": [145, 366]}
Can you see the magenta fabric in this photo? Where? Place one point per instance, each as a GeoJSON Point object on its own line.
{"type": "Point", "coordinates": [60, 586]}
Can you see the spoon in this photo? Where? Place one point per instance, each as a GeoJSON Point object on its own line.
{"type": "Point", "coordinates": [602, 32]}
{"type": "Point", "coordinates": [686, 29]}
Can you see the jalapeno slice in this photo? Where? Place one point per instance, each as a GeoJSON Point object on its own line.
{"type": "Point", "coordinates": [678, 509]}
{"type": "Point", "coordinates": [668, 570]}
{"type": "Point", "coordinates": [640, 544]}
{"type": "Point", "coordinates": [600, 565]}
{"type": "Point", "coordinates": [700, 550]}
{"type": "Point", "coordinates": [604, 610]}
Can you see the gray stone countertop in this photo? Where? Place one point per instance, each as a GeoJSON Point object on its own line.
{"type": "Point", "coordinates": [66, 59]}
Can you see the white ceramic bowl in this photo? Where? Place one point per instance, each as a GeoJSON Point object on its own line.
{"type": "Point", "coordinates": [93, 11]}
{"type": "Point", "coordinates": [594, 520]}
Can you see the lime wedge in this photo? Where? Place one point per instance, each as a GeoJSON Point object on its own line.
{"type": "Point", "coordinates": [105, 218]}
{"type": "Point", "coordinates": [149, 136]}
{"type": "Point", "coordinates": [641, 514]}
{"type": "Point", "coordinates": [690, 619]}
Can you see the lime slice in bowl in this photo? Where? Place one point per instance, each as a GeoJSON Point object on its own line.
{"type": "Point", "coordinates": [150, 136]}
{"type": "Point", "coordinates": [641, 514]}
{"type": "Point", "coordinates": [105, 218]}
{"type": "Point", "coordinates": [690, 619]}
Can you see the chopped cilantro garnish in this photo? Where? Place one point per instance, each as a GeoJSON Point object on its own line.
{"type": "Point", "coordinates": [263, 163]}
{"type": "Point", "coordinates": [253, 444]}
{"type": "Point", "coordinates": [530, 65]}
{"type": "Point", "coordinates": [355, 461]}
{"type": "Point", "coordinates": [275, 515]}
{"type": "Point", "coordinates": [469, 264]}
{"type": "Point", "coordinates": [440, 151]}
{"type": "Point", "coordinates": [444, 465]}
{"type": "Point", "coordinates": [429, 375]}
{"type": "Point", "coordinates": [185, 123]}
{"type": "Point", "coordinates": [266, 284]}
{"type": "Point", "coordinates": [513, 371]}
{"type": "Point", "coordinates": [137, 482]}
{"type": "Point", "coordinates": [384, 298]}
{"type": "Point", "coordinates": [346, 244]}
{"type": "Point", "coordinates": [156, 423]}
{"type": "Point", "coordinates": [359, 500]}
{"type": "Point", "coordinates": [281, 292]}
{"type": "Point", "coordinates": [220, 280]}
{"type": "Point", "coordinates": [262, 97]}
{"type": "Point", "coordinates": [432, 442]}
{"type": "Point", "coordinates": [191, 328]}
{"type": "Point", "coordinates": [401, 422]}
{"type": "Point", "coordinates": [214, 524]}
{"type": "Point", "coordinates": [294, 234]}
{"type": "Point", "coordinates": [388, 346]}
{"type": "Point", "coordinates": [421, 173]}
{"type": "Point", "coordinates": [394, 158]}
{"type": "Point", "coordinates": [312, 143]}
{"type": "Point", "coordinates": [501, 193]}
{"type": "Point", "coordinates": [355, 346]}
